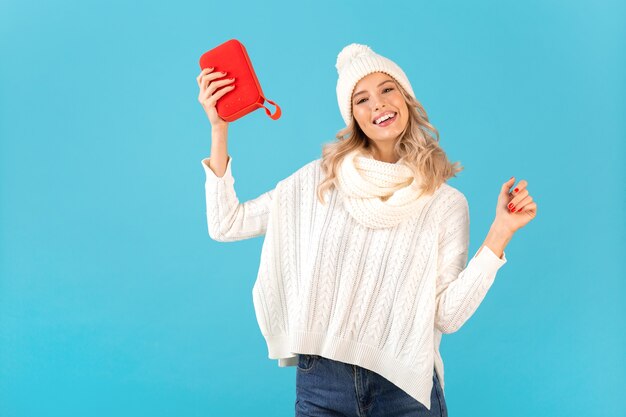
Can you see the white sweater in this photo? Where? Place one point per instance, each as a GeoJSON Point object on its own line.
{"type": "Point", "coordinates": [326, 285]}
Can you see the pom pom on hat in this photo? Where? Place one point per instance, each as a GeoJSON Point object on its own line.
{"type": "Point", "coordinates": [354, 62]}
{"type": "Point", "coordinates": [350, 52]}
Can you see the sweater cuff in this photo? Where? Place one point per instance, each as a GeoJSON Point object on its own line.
{"type": "Point", "coordinates": [210, 175]}
{"type": "Point", "coordinates": [488, 261]}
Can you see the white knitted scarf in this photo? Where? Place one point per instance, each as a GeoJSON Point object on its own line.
{"type": "Point", "coordinates": [378, 194]}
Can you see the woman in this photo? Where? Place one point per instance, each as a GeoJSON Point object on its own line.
{"type": "Point", "coordinates": [364, 262]}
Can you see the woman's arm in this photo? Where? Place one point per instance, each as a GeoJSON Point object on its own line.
{"type": "Point", "coordinates": [219, 150]}
{"type": "Point", "coordinates": [497, 239]}
{"type": "Point", "coordinates": [461, 288]}
{"type": "Point", "coordinates": [227, 219]}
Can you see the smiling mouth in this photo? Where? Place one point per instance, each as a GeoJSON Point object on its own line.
{"type": "Point", "coordinates": [388, 121]}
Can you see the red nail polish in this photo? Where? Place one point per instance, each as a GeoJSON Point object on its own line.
{"type": "Point", "coordinates": [516, 190]}
{"type": "Point", "coordinates": [510, 205]}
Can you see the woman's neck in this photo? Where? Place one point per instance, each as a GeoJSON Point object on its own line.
{"type": "Point", "coordinates": [386, 154]}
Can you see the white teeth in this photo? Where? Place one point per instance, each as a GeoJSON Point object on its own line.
{"type": "Point", "coordinates": [383, 118]}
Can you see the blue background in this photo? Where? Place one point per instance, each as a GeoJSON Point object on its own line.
{"type": "Point", "coordinates": [114, 301]}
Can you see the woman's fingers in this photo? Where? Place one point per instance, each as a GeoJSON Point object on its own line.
{"type": "Point", "coordinates": [521, 204]}
{"type": "Point", "coordinates": [507, 186]}
{"type": "Point", "coordinates": [531, 208]}
{"type": "Point", "coordinates": [207, 79]}
{"type": "Point", "coordinates": [212, 94]}
{"type": "Point", "coordinates": [206, 76]}
{"type": "Point", "coordinates": [517, 196]}
{"type": "Point", "coordinates": [208, 85]}
{"type": "Point", "coordinates": [517, 201]}
{"type": "Point", "coordinates": [221, 92]}
{"type": "Point", "coordinates": [520, 186]}
{"type": "Point", "coordinates": [199, 77]}
{"type": "Point", "coordinates": [514, 203]}
{"type": "Point", "coordinates": [215, 85]}
{"type": "Point", "coordinates": [202, 73]}
{"type": "Point", "coordinates": [211, 91]}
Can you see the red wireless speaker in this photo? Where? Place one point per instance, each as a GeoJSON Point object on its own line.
{"type": "Point", "coordinates": [247, 96]}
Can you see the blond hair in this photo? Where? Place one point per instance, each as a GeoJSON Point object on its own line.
{"type": "Point", "coordinates": [418, 147]}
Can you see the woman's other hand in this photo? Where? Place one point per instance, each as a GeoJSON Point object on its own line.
{"type": "Point", "coordinates": [515, 208]}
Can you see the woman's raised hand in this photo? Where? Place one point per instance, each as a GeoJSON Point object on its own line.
{"type": "Point", "coordinates": [515, 208]}
{"type": "Point", "coordinates": [210, 92]}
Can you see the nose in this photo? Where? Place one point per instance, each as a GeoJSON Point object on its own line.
{"type": "Point", "coordinates": [379, 103]}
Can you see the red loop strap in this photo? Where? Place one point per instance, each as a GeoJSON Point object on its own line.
{"type": "Point", "coordinates": [276, 114]}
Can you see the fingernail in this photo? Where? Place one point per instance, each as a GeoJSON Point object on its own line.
{"type": "Point", "coordinates": [516, 190]}
{"type": "Point", "coordinates": [510, 206]}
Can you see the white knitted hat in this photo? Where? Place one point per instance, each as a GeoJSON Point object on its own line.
{"type": "Point", "coordinates": [354, 62]}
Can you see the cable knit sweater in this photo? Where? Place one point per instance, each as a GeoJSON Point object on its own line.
{"type": "Point", "coordinates": [330, 286]}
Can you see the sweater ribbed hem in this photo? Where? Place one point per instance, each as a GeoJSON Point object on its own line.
{"type": "Point", "coordinates": [286, 348]}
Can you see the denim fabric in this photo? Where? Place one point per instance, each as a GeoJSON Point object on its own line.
{"type": "Point", "coordinates": [325, 387]}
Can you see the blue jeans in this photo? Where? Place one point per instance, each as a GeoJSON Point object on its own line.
{"type": "Point", "coordinates": [325, 387]}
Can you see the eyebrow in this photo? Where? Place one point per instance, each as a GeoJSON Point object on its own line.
{"type": "Point", "coordinates": [361, 92]}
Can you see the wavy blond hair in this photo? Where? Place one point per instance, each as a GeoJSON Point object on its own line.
{"type": "Point", "coordinates": [418, 147]}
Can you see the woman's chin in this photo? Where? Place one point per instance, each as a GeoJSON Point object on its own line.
{"type": "Point", "coordinates": [384, 136]}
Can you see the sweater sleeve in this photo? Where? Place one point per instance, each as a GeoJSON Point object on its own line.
{"type": "Point", "coordinates": [227, 219]}
{"type": "Point", "coordinates": [460, 289]}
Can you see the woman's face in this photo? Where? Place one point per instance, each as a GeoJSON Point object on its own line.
{"type": "Point", "coordinates": [374, 96]}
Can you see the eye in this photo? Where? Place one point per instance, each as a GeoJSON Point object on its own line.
{"type": "Point", "coordinates": [384, 90]}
